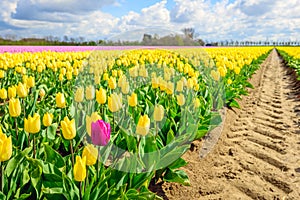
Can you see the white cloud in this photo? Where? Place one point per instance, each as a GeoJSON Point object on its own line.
{"type": "Point", "coordinates": [224, 20]}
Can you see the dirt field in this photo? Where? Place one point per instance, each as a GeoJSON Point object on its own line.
{"type": "Point", "coordinates": [258, 153]}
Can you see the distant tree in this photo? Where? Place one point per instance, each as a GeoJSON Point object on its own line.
{"type": "Point", "coordinates": [189, 32]}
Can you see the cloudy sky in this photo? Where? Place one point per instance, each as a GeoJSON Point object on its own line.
{"type": "Point", "coordinates": [213, 20]}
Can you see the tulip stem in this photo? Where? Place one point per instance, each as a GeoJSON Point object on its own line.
{"type": "Point", "coordinates": [72, 152]}
{"type": "Point", "coordinates": [87, 178]}
{"type": "Point", "coordinates": [98, 163]}
{"type": "Point", "coordinates": [34, 148]}
{"type": "Point", "coordinates": [16, 125]}
{"type": "Point", "coordinates": [80, 190]}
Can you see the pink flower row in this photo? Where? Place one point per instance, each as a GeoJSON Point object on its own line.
{"type": "Point", "coordinates": [16, 49]}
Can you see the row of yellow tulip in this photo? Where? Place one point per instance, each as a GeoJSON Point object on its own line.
{"type": "Point", "coordinates": [102, 84]}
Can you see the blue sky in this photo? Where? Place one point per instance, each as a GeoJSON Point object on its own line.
{"type": "Point", "coordinates": [213, 20]}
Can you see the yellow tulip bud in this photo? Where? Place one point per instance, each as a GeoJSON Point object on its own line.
{"type": "Point", "coordinates": [60, 100]}
{"type": "Point", "coordinates": [79, 94]}
{"type": "Point", "coordinates": [158, 113]}
{"type": "Point", "coordinates": [80, 169]}
{"type": "Point", "coordinates": [22, 90]}
{"type": "Point", "coordinates": [12, 92]}
{"type": "Point", "coordinates": [132, 100]}
{"type": "Point", "coordinates": [143, 125]}
{"type": "Point", "coordinates": [32, 124]}
{"type": "Point", "coordinates": [42, 92]}
{"type": "Point", "coordinates": [5, 147]}
{"type": "Point", "coordinates": [89, 119]}
{"type": "Point", "coordinates": [114, 102]}
{"type": "Point", "coordinates": [229, 81]}
{"type": "Point", "coordinates": [90, 92]}
{"type": "Point", "coordinates": [112, 84]}
{"type": "Point", "coordinates": [14, 107]}
{"type": "Point", "coordinates": [47, 119]}
{"type": "Point", "coordinates": [3, 93]}
{"type": "Point", "coordinates": [91, 154]}
{"type": "Point", "coordinates": [101, 96]}
{"type": "Point", "coordinates": [68, 128]}
{"type": "Point", "coordinates": [180, 99]}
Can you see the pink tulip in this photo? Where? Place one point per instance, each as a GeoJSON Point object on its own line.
{"type": "Point", "coordinates": [100, 133]}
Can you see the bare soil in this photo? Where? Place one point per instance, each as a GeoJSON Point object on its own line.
{"type": "Point", "coordinates": [258, 153]}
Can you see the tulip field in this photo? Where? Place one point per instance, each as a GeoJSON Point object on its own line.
{"type": "Point", "coordinates": [106, 123]}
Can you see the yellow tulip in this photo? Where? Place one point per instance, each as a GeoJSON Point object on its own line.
{"type": "Point", "coordinates": [60, 100]}
{"type": "Point", "coordinates": [115, 102]}
{"type": "Point", "coordinates": [97, 79]}
{"type": "Point", "coordinates": [101, 96]}
{"type": "Point", "coordinates": [91, 154]}
{"type": "Point", "coordinates": [14, 107]}
{"type": "Point", "coordinates": [237, 70]}
{"type": "Point", "coordinates": [30, 82]}
{"type": "Point", "coordinates": [12, 92]}
{"type": "Point", "coordinates": [114, 73]}
{"type": "Point", "coordinates": [143, 125]}
{"type": "Point", "coordinates": [215, 75]}
{"type": "Point", "coordinates": [90, 92]}
{"type": "Point", "coordinates": [79, 94]}
{"type": "Point", "coordinates": [158, 113]}
{"type": "Point", "coordinates": [2, 74]}
{"type": "Point", "coordinates": [179, 86]}
{"type": "Point", "coordinates": [22, 90]}
{"type": "Point", "coordinates": [222, 71]}
{"type": "Point", "coordinates": [125, 87]}
{"type": "Point", "coordinates": [132, 100]}
{"type": "Point", "coordinates": [197, 103]}
{"type": "Point", "coordinates": [89, 119]}
{"type": "Point", "coordinates": [155, 82]}
{"type": "Point", "coordinates": [105, 76]}
{"type": "Point", "coordinates": [180, 99]}
{"type": "Point", "coordinates": [61, 77]}
{"type": "Point", "coordinates": [229, 81]}
{"type": "Point", "coordinates": [68, 128]}
{"type": "Point", "coordinates": [112, 84]}
{"type": "Point", "coordinates": [47, 119]}
{"type": "Point", "coordinates": [63, 71]}
{"type": "Point", "coordinates": [5, 147]}
{"type": "Point", "coordinates": [32, 124]}
{"type": "Point", "coordinates": [69, 75]}
{"type": "Point", "coordinates": [3, 93]}
{"type": "Point", "coordinates": [170, 87]}
{"type": "Point", "coordinates": [80, 169]}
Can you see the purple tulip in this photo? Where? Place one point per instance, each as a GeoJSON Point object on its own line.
{"type": "Point", "coordinates": [100, 133]}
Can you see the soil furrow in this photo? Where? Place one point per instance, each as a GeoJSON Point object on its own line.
{"type": "Point", "coordinates": [258, 154]}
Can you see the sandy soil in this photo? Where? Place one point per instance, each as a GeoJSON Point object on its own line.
{"type": "Point", "coordinates": [258, 153]}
